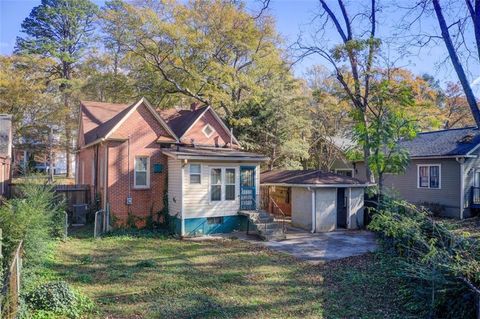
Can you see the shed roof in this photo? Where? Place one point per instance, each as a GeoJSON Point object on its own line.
{"type": "Point", "coordinates": [307, 178]}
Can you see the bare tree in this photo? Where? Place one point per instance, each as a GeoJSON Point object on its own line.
{"type": "Point", "coordinates": [452, 52]}
{"type": "Point", "coordinates": [456, 34]}
{"type": "Point", "coordinates": [352, 59]}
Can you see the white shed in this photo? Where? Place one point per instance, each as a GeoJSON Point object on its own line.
{"type": "Point", "coordinates": [316, 201]}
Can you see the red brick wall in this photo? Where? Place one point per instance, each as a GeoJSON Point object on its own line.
{"type": "Point", "coordinates": [144, 130]}
{"type": "Point", "coordinates": [219, 138]}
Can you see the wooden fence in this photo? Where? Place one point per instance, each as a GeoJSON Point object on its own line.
{"type": "Point", "coordinates": [10, 293]}
{"type": "Point", "coordinates": [73, 194]}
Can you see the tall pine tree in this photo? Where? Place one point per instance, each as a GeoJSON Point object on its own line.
{"type": "Point", "coordinates": [60, 29]}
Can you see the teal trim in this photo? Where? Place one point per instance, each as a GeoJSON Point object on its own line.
{"type": "Point", "coordinates": [199, 226]}
{"type": "Point", "coordinates": [175, 225]}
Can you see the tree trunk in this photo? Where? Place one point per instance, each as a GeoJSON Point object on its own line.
{"type": "Point", "coordinates": [68, 138]}
{"type": "Point", "coordinates": [472, 102]}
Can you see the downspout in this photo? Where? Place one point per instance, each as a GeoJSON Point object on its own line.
{"type": "Point", "coordinates": [182, 219]}
{"type": "Point", "coordinates": [314, 215]}
{"type": "Point", "coordinates": [461, 161]}
{"type": "Point", "coordinates": [105, 178]}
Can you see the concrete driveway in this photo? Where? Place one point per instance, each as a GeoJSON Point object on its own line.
{"type": "Point", "coordinates": [320, 247]}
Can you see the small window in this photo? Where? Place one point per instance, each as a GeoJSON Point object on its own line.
{"type": "Point", "coordinates": [216, 184]}
{"type": "Point", "coordinates": [345, 172]}
{"type": "Point", "coordinates": [141, 173]}
{"type": "Point", "coordinates": [230, 184]}
{"type": "Point", "coordinates": [208, 130]}
{"type": "Point", "coordinates": [214, 220]}
{"type": "Point", "coordinates": [195, 174]}
{"type": "Point", "coordinates": [429, 176]}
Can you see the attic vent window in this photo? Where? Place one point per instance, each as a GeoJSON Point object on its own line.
{"type": "Point", "coordinates": [208, 130]}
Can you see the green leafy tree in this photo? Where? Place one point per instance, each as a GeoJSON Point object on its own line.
{"type": "Point", "coordinates": [210, 51]}
{"type": "Point", "coordinates": [390, 122]}
{"type": "Point", "coordinates": [60, 30]}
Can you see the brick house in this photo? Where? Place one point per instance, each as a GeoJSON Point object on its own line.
{"type": "Point", "coordinates": [132, 156]}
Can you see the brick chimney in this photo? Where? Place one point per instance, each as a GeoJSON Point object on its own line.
{"type": "Point", "coordinates": [194, 106]}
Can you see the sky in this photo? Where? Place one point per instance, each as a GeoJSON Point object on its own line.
{"type": "Point", "coordinates": [292, 18]}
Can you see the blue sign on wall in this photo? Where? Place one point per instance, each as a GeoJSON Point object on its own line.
{"type": "Point", "coordinates": [157, 168]}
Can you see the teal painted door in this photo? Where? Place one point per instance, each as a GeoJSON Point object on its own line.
{"type": "Point", "coordinates": [247, 188]}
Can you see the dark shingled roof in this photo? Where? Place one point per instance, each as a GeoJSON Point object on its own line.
{"type": "Point", "coordinates": [306, 177]}
{"type": "Point", "coordinates": [452, 142]}
{"type": "Point", "coordinates": [181, 120]}
{"type": "Point", "coordinates": [102, 118]}
{"type": "Point", "coordinates": [181, 152]}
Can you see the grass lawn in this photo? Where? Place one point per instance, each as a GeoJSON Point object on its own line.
{"type": "Point", "coordinates": [148, 277]}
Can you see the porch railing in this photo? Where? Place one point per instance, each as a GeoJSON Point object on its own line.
{"type": "Point", "coordinates": [269, 205]}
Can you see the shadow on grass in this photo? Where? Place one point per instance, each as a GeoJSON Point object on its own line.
{"type": "Point", "coordinates": [150, 275]}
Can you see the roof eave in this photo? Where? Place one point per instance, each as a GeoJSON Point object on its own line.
{"type": "Point", "coordinates": [216, 158]}
{"type": "Point", "coordinates": [433, 157]}
{"type": "Point", "coordinates": [317, 185]}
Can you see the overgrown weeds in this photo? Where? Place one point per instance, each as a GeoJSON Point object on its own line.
{"type": "Point", "coordinates": [439, 269]}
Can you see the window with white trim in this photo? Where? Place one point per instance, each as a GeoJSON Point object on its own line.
{"type": "Point", "coordinates": [229, 184]}
{"type": "Point", "coordinates": [216, 184]}
{"type": "Point", "coordinates": [195, 174]}
{"type": "Point", "coordinates": [208, 130]}
{"type": "Point", "coordinates": [429, 176]}
{"type": "Point", "coordinates": [142, 172]}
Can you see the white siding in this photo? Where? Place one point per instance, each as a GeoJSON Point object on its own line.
{"type": "Point", "coordinates": [197, 196]}
{"type": "Point", "coordinates": [326, 209]}
{"type": "Point", "coordinates": [301, 208]}
{"type": "Point", "coordinates": [174, 186]}
{"type": "Point", "coordinates": [356, 207]}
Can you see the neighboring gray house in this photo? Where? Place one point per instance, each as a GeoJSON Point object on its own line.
{"type": "Point", "coordinates": [444, 172]}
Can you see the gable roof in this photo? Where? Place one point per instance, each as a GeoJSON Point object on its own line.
{"type": "Point", "coordinates": [443, 143]}
{"type": "Point", "coordinates": [181, 121]}
{"type": "Point", "coordinates": [307, 178]}
{"type": "Point", "coordinates": [100, 120]}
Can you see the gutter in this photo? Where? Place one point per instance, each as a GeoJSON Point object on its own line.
{"type": "Point", "coordinates": [217, 158]}
{"type": "Point", "coordinates": [434, 157]}
{"type": "Point", "coordinates": [318, 185]}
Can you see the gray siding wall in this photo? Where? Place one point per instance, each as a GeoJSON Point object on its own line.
{"type": "Point", "coordinates": [470, 166]}
{"type": "Point", "coordinates": [301, 208]}
{"type": "Point", "coordinates": [405, 185]}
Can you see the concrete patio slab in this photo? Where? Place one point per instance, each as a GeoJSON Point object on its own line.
{"type": "Point", "coordinates": [319, 247]}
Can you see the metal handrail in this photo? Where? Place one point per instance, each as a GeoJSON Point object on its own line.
{"type": "Point", "coordinates": [283, 215]}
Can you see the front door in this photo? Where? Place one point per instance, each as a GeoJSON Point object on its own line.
{"type": "Point", "coordinates": [247, 188]}
{"type": "Point", "coordinates": [341, 208]}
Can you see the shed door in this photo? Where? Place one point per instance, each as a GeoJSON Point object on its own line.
{"type": "Point", "coordinates": [342, 201]}
{"type": "Point", "coordinates": [247, 188]}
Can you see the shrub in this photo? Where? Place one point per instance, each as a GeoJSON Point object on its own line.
{"type": "Point", "coordinates": [35, 217]}
{"type": "Point", "coordinates": [57, 300]}
{"type": "Point", "coordinates": [52, 296]}
{"type": "Point", "coordinates": [436, 266]}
